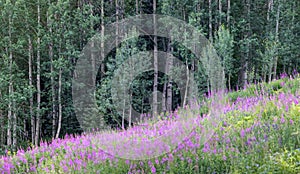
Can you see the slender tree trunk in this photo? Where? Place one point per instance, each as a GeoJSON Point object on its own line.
{"type": "Point", "coordinates": [210, 21]}
{"type": "Point", "coordinates": [169, 85]}
{"type": "Point", "coordinates": [2, 125]}
{"type": "Point", "coordinates": [38, 78]}
{"type": "Point", "coordinates": [220, 13]}
{"type": "Point", "coordinates": [155, 63]}
{"type": "Point", "coordinates": [93, 56]}
{"type": "Point", "coordinates": [124, 108]}
{"type": "Point", "coordinates": [117, 23]}
{"type": "Point", "coordinates": [277, 38]}
{"type": "Point", "coordinates": [270, 71]}
{"type": "Point", "coordinates": [53, 112]}
{"type": "Point", "coordinates": [228, 13]}
{"type": "Point", "coordinates": [14, 131]}
{"type": "Point", "coordinates": [164, 96]}
{"type": "Point", "coordinates": [59, 102]}
{"type": "Point", "coordinates": [136, 7]}
{"type": "Point", "coordinates": [10, 88]}
{"type": "Point", "coordinates": [102, 37]}
{"type": "Point", "coordinates": [187, 74]}
{"type": "Point", "coordinates": [32, 118]}
{"type": "Point", "coordinates": [270, 9]}
{"type": "Point", "coordinates": [102, 50]}
{"type": "Point", "coordinates": [248, 44]}
{"type": "Point", "coordinates": [59, 96]}
{"type": "Point", "coordinates": [187, 84]}
{"type": "Point", "coordinates": [50, 53]}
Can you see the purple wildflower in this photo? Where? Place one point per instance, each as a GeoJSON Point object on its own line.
{"type": "Point", "coordinates": [153, 169]}
{"type": "Point", "coordinates": [242, 133]}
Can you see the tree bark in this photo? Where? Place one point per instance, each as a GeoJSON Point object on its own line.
{"type": "Point", "coordinates": [270, 9]}
{"type": "Point", "coordinates": [164, 96]}
{"type": "Point", "coordinates": [117, 23]}
{"type": "Point", "coordinates": [102, 37]}
{"type": "Point", "coordinates": [50, 53]}
{"type": "Point", "coordinates": [155, 63]}
{"type": "Point", "coordinates": [169, 85]}
{"type": "Point", "coordinates": [59, 102]}
{"type": "Point", "coordinates": [220, 13]}
{"type": "Point", "coordinates": [32, 118]}
{"type": "Point", "coordinates": [14, 131]}
{"type": "Point", "coordinates": [228, 13]}
{"type": "Point", "coordinates": [38, 78]}
{"type": "Point", "coordinates": [277, 38]}
{"type": "Point", "coordinates": [102, 65]}
{"type": "Point", "coordinates": [136, 7]}
{"type": "Point", "coordinates": [2, 143]}
{"type": "Point", "coordinates": [10, 88]}
{"type": "Point", "coordinates": [210, 21]}
{"type": "Point", "coordinates": [187, 75]}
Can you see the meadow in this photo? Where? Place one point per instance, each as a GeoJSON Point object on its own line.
{"type": "Point", "coordinates": [258, 133]}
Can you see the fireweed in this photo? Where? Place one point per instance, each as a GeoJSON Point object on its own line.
{"type": "Point", "coordinates": [259, 133]}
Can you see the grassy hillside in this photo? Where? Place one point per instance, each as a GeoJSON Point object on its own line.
{"type": "Point", "coordinates": [259, 133]}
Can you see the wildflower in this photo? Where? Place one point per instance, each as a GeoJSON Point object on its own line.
{"type": "Point", "coordinates": [224, 158]}
{"type": "Point", "coordinates": [153, 169]}
{"type": "Point", "coordinates": [291, 121]}
{"type": "Point", "coordinates": [215, 151]}
{"type": "Point", "coordinates": [206, 148]}
{"type": "Point", "coordinates": [282, 120]}
{"type": "Point", "coordinates": [141, 164]}
{"type": "Point", "coordinates": [242, 133]}
{"type": "Point", "coordinates": [70, 162]}
{"type": "Point", "coordinates": [248, 130]}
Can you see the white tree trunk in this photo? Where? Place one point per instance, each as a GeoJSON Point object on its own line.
{"type": "Point", "coordinates": [155, 63]}
{"type": "Point", "coordinates": [38, 79]}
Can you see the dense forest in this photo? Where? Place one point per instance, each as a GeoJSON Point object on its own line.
{"type": "Point", "coordinates": [42, 40]}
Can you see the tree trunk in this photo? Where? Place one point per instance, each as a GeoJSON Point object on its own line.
{"type": "Point", "coordinates": [187, 75]}
{"type": "Point", "coordinates": [2, 143]}
{"type": "Point", "coordinates": [14, 131]}
{"type": "Point", "coordinates": [50, 47]}
{"type": "Point", "coordinates": [117, 24]}
{"type": "Point", "coordinates": [228, 13]}
{"type": "Point", "coordinates": [155, 63]}
{"type": "Point", "coordinates": [169, 85]}
{"type": "Point", "coordinates": [59, 102]}
{"type": "Point", "coordinates": [10, 88]}
{"type": "Point", "coordinates": [210, 21]}
{"type": "Point", "coordinates": [32, 118]}
{"type": "Point", "coordinates": [220, 13]}
{"type": "Point", "coordinates": [102, 37]}
{"type": "Point", "coordinates": [164, 96]}
{"type": "Point", "coordinates": [38, 79]}
{"type": "Point", "coordinates": [102, 65]}
{"type": "Point", "coordinates": [248, 44]}
{"type": "Point", "coordinates": [270, 9]}
{"type": "Point", "coordinates": [93, 57]}
{"type": "Point", "coordinates": [276, 38]}
{"type": "Point", "coordinates": [136, 7]}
